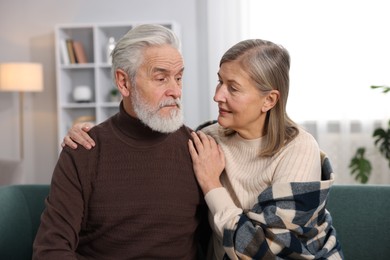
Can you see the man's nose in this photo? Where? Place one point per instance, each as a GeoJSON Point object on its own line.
{"type": "Point", "coordinates": [174, 89]}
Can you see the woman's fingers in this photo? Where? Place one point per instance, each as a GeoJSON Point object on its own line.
{"type": "Point", "coordinates": [203, 143]}
{"type": "Point", "coordinates": [197, 141]}
{"type": "Point", "coordinates": [191, 148]}
{"type": "Point", "coordinates": [69, 142]}
{"type": "Point", "coordinates": [208, 160]}
{"type": "Point", "coordinates": [203, 140]}
{"type": "Point", "coordinates": [78, 134]}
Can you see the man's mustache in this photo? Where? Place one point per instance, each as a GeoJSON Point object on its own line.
{"type": "Point", "coordinates": [171, 102]}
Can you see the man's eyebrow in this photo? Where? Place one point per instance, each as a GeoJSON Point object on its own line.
{"type": "Point", "coordinates": [163, 70]}
{"type": "Point", "coordinates": [159, 70]}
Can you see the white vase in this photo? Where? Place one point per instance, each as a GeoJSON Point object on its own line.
{"type": "Point", "coordinates": [82, 94]}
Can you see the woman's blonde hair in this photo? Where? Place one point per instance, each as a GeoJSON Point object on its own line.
{"type": "Point", "coordinates": [268, 65]}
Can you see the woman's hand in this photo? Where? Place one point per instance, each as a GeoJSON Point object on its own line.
{"type": "Point", "coordinates": [78, 134]}
{"type": "Point", "coordinates": [208, 161]}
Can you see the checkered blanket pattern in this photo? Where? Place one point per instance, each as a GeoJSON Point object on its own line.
{"type": "Point", "coordinates": [292, 215]}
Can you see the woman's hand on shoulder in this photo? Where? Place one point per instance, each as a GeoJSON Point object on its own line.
{"type": "Point", "coordinates": [78, 134]}
{"type": "Point", "coordinates": [208, 160]}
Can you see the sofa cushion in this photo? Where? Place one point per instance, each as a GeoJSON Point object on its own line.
{"type": "Point", "coordinates": [361, 217]}
{"type": "Point", "coordinates": [21, 207]}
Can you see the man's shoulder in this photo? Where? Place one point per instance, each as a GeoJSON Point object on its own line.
{"type": "Point", "coordinates": [184, 130]}
{"type": "Point", "coordinates": [187, 128]}
{"type": "Point", "coordinates": [205, 127]}
{"type": "Point", "coordinates": [101, 128]}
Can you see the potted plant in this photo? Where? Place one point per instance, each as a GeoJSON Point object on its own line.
{"type": "Point", "coordinates": [360, 165]}
{"type": "Point", "coordinates": [115, 95]}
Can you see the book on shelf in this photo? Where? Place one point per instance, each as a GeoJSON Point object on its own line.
{"type": "Point", "coordinates": [64, 52]}
{"type": "Point", "coordinates": [79, 52]}
{"type": "Point", "coordinates": [69, 45]}
{"type": "Point", "coordinates": [72, 52]}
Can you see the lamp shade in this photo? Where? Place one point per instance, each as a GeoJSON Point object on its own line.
{"type": "Point", "coordinates": [21, 77]}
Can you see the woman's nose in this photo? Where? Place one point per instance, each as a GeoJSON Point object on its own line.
{"type": "Point", "coordinates": [219, 94]}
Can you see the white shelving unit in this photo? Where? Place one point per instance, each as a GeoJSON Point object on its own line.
{"type": "Point", "coordinates": [96, 73]}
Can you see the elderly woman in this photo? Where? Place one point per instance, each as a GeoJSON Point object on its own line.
{"type": "Point", "coordinates": [263, 177]}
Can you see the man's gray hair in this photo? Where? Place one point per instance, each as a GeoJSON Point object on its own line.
{"type": "Point", "coordinates": [128, 52]}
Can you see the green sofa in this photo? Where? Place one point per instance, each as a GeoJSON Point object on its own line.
{"type": "Point", "coordinates": [20, 211]}
{"type": "Point", "coordinates": [360, 215]}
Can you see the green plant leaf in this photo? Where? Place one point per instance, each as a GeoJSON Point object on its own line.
{"type": "Point", "coordinates": [382, 141]}
{"type": "Point", "coordinates": [385, 88]}
{"type": "Point", "coordinates": [360, 166]}
{"type": "Point", "coordinates": [114, 91]}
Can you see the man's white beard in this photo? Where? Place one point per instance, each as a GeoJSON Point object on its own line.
{"type": "Point", "coordinates": [150, 115]}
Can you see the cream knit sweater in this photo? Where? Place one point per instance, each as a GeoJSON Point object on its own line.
{"type": "Point", "coordinates": [247, 175]}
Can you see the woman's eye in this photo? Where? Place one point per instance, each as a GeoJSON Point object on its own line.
{"type": "Point", "coordinates": [232, 89]}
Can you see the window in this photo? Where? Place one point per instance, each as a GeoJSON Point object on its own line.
{"type": "Point", "coordinates": [338, 50]}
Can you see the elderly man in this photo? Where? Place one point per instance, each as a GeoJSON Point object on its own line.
{"type": "Point", "coordinates": [134, 195]}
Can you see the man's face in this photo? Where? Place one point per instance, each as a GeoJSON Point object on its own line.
{"type": "Point", "coordinates": [157, 93]}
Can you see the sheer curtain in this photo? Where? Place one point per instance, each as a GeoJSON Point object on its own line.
{"type": "Point", "coordinates": [338, 50]}
{"type": "Point", "coordinates": [225, 28]}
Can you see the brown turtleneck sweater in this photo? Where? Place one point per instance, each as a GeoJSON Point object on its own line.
{"type": "Point", "coordinates": [133, 196]}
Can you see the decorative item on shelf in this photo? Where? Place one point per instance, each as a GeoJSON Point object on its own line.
{"type": "Point", "coordinates": [110, 47]}
{"type": "Point", "coordinates": [115, 96]}
{"type": "Point", "coordinates": [82, 93]}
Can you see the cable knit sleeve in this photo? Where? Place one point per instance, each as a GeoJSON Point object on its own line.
{"type": "Point", "coordinates": [300, 160]}
{"type": "Point", "coordinates": [222, 208]}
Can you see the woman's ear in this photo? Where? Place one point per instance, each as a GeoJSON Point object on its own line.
{"type": "Point", "coordinates": [270, 100]}
{"type": "Point", "coordinates": [122, 82]}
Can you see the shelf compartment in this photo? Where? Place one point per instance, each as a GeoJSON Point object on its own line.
{"type": "Point", "coordinates": [103, 35]}
{"type": "Point", "coordinates": [71, 78]}
{"type": "Point", "coordinates": [83, 34]}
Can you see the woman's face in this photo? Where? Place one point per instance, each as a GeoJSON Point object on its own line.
{"type": "Point", "coordinates": [241, 105]}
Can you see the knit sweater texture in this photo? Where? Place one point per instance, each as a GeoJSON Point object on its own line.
{"type": "Point", "coordinates": [247, 175]}
{"type": "Point", "coordinates": [133, 196]}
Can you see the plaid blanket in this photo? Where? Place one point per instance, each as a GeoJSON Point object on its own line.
{"type": "Point", "coordinates": [291, 215]}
